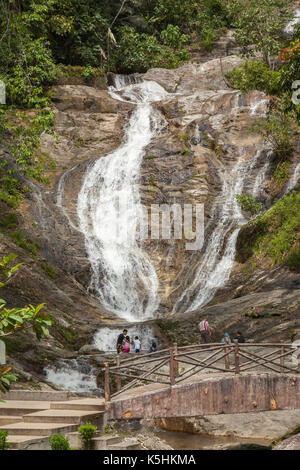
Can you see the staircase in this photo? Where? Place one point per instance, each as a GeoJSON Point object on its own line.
{"type": "Point", "coordinates": [31, 421]}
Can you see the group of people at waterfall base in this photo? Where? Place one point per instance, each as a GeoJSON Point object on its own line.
{"type": "Point", "coordinates": [205, 333]}
{"type": "Point", "coordinates": [124, 343]}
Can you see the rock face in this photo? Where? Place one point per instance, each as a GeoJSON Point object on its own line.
{"type": "Point", "coordinates": [243, 425]}
{"type": "Point", "coordinates": [202, 154]}
{"type": "Point", "coordinates": [291, 443]}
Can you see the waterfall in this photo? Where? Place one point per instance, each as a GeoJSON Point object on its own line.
{"type": "Point", "coordinates": [289, 29]}
{"type": "Point", "coordinates": [294, 179]}
{"type": "Point", "coordinates": [261, 176]}
{"type": "Point", "coordinates": [215, 267]}
{"type": "Point", "coordinates": [105, 339]}
{"type": "Point", "coordinates": [109, 205]}
{"type": "Point", "coordinates": [75, 375]}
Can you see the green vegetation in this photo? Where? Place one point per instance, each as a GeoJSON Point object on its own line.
{"type": "Point", "coordinates": [59, 442]}
{"type": "Point", "coordinates": [87, 432]}
{"type": "Point", "coordinates": [16, 319]}
{"type": "Point", "coordinates": [257, 25]}
{"type": "Point", "coordinates": [295, 431]}
{"type": "Point", "coordinates": [49, 270]}
{"type": "Point", "coordinates": [20, 240]}
{"type": "Point", "coordinates": [116, 35]}
{"type": "Point", "coordinates": [275, 234]}
{"type": "Point", "coordinates": [9, 221]}
{"type": "Point", "coordinates": [281, 173]}
{"type": "Point", "coordinates": [248, 204]}
{"type": "Point", "coordinates": [69, 334]}
{"type": "Point", "coordinates": [4, 445]}
{"type": "Point", "coordinates": [255, 75]}
{"type": "Point", "coordinates": [278, 129]}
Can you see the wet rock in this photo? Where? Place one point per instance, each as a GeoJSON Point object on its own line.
{"type": "Point", "coordinates": [291, 443]}
{"type": "Point", "coordinates": [89, 349]}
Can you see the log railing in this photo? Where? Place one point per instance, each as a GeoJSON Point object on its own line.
{"type": "Point", "coordinates": [176, 364]}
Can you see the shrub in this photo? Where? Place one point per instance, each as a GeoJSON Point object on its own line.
{"type": "Point", "coordinates": [19, 239]}
{"type": "Point", "coordinates": [281, 173]}
{"type": "Point", "coordinates": [4, 445]}
{"type": "Point", "coordinates": [172, 37]}
{"type": "Point", "coordinates": [278, 130]}
{"type": "Point", "coordinates": [87, 432]}
{"type": "Point", "coordinates": [139, 52]}
{"type": "Point", "coordinates": [273, 234]}
{"type": "Point", "coordinates": [293, 259]}
{"type": "Point", "coordinates": [248, 204]}
{"type": "Point", "coordinates": [255, 75]}
{"type": "Point", "coordinates": [59, 442]}
{"type": "Point", "coordinates": [9, 221]}
{"type": "Point", "coordinates": [49, 270]}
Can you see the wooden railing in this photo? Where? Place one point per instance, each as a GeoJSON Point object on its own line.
{"type": "Point", "coordinates": [176, 364]}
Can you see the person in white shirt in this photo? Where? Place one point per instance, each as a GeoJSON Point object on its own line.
{"type": "Point", "coordinates": [205, 331]}
{"type": "Point", "coordinates": [137, 344]}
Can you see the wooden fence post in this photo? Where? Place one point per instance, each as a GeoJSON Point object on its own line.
{"type": "Point", "coordinates": [172, 367]}
{"type": "Point", "coordinates": [176, 363]}
{"type": "Point", "coordinates": [236, 356]}
{"type": "Point", "coordinates": [282, 351]}
{"type": "Point", "coordinates": [106, 383]}
{"type": "Point", "coordinates": [226, 357]}
{"type": "Point", "coordinates": [118, 378]}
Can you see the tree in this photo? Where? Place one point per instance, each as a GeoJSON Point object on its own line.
{"type": "Point", "coordinates": [258, 24]}
{"type": "Point", "coordinates": [16, 319]}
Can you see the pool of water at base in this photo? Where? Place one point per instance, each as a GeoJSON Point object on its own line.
{"type": "Point", "coordinates": [187, 441]}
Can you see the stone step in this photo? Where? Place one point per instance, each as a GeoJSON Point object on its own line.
{"type": "Point", "coordinates": [100, 442]}
{"type": "Point", "coordinates": [37, 429]}
{"type": "Point", "coordinates": [20, 408]}
{"type": "Point", "coordinates": [86, 404]}
{"type": "Point", "coordinates": [19, 442]}
{"type": "Point", "coordinates": [9, 419]}
{"type": "Point", "coordinates": [63, 416]}
{"type": "Point", "coordinates": [104, 442]}
{"type": "Point", "coordinates": [126, 444]}
{"type": "Point", "coordinates": [37, 395]}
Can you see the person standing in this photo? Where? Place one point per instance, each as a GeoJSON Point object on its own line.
{"type": "Point", "coordinates": [226, 339]}
{"type": "Point", "coordinates": [120, 341]}
{"type": "Point", "coordinates": [240, 337]}
{"type": "Point", "coordinates": [137, 344]}
{"type": "Point", "coordinates": [205, 331]}
{"type": "Point", "coordinates": [126, 344]}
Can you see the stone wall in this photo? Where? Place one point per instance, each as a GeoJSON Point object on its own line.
{"type": "Point", "coordinates": [218, 395]}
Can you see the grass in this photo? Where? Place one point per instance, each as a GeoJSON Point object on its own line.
{"type": "Point", "coordinates": [49, 270]}
{"type": "Point", "coordinates": [22, 242]}
{"type": "Point", "coordinates": [10, 221]}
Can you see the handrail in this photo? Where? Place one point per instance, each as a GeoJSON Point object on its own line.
{"type": "Point", "coordinates": [210, 355]}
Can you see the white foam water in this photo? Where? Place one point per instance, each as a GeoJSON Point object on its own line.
{"type": "Point", "coordinates": [289, 29]}
{"type": "Point", "coordinates": [261, 176]}
{"type": "Point", "coordinates": [294, 179]}
{"type": "Point", "coordinates": [109, 207]}
{"type": "Point", "coordinates": [215, 267]}
{"type": "Point", "coordinates": [75, 375]}
{"type": "Point", "coordinates": [105, 339]}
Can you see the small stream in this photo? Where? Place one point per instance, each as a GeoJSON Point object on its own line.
{"type": "Point", "coordinates": [188, 441]}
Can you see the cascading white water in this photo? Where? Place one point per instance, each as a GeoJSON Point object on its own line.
{"type": "Point", "coordinates": [105, 339]}
{"type": "Point", "coordinates": [215, 268]}
{"type": "Point", "coordinates": [261, 176]}
{"type": "Point", "coordinates": [289, 29]}
{"type": "Point", "coordinates": [75, 375]}
{"type": "Point", "coordinates": [293, 180]}
{"type": "Point", "coordinates": [108, 209]}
